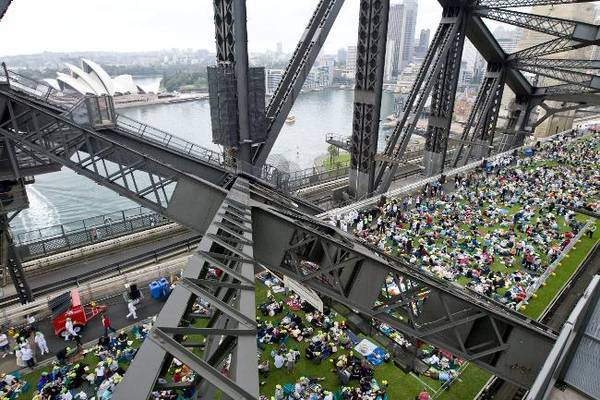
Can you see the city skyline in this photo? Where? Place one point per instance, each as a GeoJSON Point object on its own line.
{"type": "Point", "coordinates": [184, 24]}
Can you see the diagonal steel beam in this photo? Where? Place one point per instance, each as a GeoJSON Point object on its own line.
{"type": "Point", "coordinates": [3, 7]}
{"type": "Point", "coordinates": [302, 60]}
{"type": "Point", "coordinates": [207, 371]}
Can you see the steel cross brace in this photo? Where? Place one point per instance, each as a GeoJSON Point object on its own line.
{"type": "Point", "coordinates": [443, 40]}
{"type": "Point", "coordinates": [557, 63]}
{"type": "Point", "coordinates": [549, 25]}
{"type": "Point", "coordinates": [297, 70]}
{"type": "Point", "coordinates": [587, 81]}
{"type": "Point", "coordinates": [233, 298]}
{"type": "Point", "coordinates": [442, 106]}
{"type": "Point", "coordinates": [339, 267]}
{"type": "Point", "coordinates": [489, 94]}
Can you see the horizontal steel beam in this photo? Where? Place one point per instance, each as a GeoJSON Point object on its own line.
{"type": "Point", "coordinates": [468, 325]}
{"type": "Point", "coordinates": [526, 3]}
{"type": "Point", "coordinates": [556, 63]}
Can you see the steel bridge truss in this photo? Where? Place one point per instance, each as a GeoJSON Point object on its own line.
{"type": "Point", "coordinates": [448, 39]}
{"type": "Point", "coordinates": [577, 81]}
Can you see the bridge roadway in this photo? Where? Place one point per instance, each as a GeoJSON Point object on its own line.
{"type": "Point", "coordinates": [106, 264]}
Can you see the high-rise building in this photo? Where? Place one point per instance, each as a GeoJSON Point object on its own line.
{"type": "Point", "coordinates": [342, 56]}
{"type": "Point", "coordinates": [400, 38]}
{"type": "Point", "coordinates": [408, 32]}
{"type": "Point", "coordinates": [279, 47]}
{"type": "Point", "coordinates": [424, 38]}
{"type": "Point", "coordinates": [351, 58]}
{"type": "Point", "coordinates": [423, 43]}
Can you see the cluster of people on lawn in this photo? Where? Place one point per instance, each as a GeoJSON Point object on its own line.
{"type": "Point", "coordinates": [299, 331]}
{"type": "Point", "coordinates": [501, 226]}
{"type": "Point", "coordinates": [72, 376]}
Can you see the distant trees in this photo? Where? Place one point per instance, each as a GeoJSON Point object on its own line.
{"type": "Point", "coordinates": [184, 81]}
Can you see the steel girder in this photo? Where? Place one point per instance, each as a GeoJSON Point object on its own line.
{"type": "Point", "coordinates": [227, 245]}
{"type": "Point", "coordinates": [442, 106]}
{"type": "Point", "coordinates": [302, 60]}
{"type": "Point", "coordinates": [586, 81]}
{"type": "Point", "coordinates": [158, 186]}
{"type": "Point", "coordinates": [481, 123]}
{"type": "Point", "coordinates": [443, 41]}
{"type": "Point", "coordinates": [3, 7]}
{"type": "Point", "coordinates": [557, 63]}
{"type": "Point", "coordinates": [232, 53]}
{"type": "Point", "coordinates": [552, 46]}
{"type": "Point", "coordinates": [337, 266]}
{"type": "Point", "coordinates": [551, 111]}
{"type": "Point", "coordinates": [370, 61]}
{"type": "Point", "coordinates": [549, 25]}
{"type": "Point", "coordinates": [526, 3]}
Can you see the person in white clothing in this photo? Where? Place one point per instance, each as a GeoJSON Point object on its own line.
{"type": "Point", "coordinates": [70, 329]}
{"type": "Point", "coordinates": [132, 309]}
{"type": "Point", "coordinates": [40, 340]}
{"type": "Point", "coordinates": [27, 356]}
{"type": "Point", "coordinates": [4, 345]}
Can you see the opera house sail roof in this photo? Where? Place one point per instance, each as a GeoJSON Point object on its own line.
{"type": "Point", "coordinates": [91, 78]}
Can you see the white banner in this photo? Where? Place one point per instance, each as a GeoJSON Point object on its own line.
{"type": "Point", "coordinates": [305, 293]}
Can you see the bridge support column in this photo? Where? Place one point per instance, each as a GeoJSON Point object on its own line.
{"type": "Point", "coordinates": [442, 104]}
{"type": "Point", "coordinates": [370, 61]}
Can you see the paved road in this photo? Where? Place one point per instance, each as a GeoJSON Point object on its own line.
{"type": "Point", "coordinates": [96, 263]}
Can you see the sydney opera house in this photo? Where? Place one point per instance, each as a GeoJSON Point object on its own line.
{"type": "Point", "coordinates": [91, 78]}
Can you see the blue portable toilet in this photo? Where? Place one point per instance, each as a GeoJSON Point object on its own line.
{"type": "Point", "coordinates": [529, 152]}
{"type": "Point", "coordinates": [165, 286]}
{"type": "Point", "coordinates": [155, 290]}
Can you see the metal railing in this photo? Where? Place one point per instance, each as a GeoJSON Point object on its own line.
{"type": "Point", "coordinates": [40, 89]}
{"type": "Point", "coordinates": [58, 238]}
{"type": "Point", "coordinates": [168, 140]}
{"type": "Point", "coordinates": [312, 176]}
{"type": "Point", "coordinates": [552, 267]}
{"type": "Point", "coordinates": [410, 188]}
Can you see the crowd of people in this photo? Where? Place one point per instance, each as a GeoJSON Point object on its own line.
{"type": "Point", "coordinates": [75, 374]}
{"type": "Point", "coordinates": [498, 228]}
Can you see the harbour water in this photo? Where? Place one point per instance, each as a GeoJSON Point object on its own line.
{"type": "Point", "coordinates": [65, 196]}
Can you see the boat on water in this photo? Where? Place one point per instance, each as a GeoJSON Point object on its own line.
{"type": "Point", "coordinates": [391, 117]}
{"type": "Point", "coordinates": [290, 119]}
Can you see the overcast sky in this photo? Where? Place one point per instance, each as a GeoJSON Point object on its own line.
{"type": "Point", "coordinates": [33, 26]}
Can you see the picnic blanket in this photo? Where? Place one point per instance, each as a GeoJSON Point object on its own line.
{"type": "Point", "coordinates": [293, 304]}
{"type": "Point", "coordinates": [377, 356]}
{"type": "Point", "coordinates": [365, 347]}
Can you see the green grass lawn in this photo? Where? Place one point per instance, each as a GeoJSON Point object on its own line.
{"type": "Point", "coordinates": [89, 358]}
{"type": "Point", "coordinates": [332, 163]}
{"type": "Point", "coordinates": [567, 267]}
